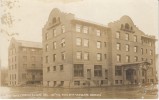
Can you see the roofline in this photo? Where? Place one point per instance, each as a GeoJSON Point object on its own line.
{"type": "Point", "coordinates": [28, 41]}
{"type": "Point", "coordinates": [89, 22]}
{"type": "Point", "coordinates": [149, 37]}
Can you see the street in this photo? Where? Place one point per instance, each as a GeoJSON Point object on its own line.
{"type": "Point", "coordinates": [111, 92]}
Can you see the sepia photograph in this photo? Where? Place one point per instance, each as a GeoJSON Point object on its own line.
{"type": "Point", "coordinates": [79, 49]}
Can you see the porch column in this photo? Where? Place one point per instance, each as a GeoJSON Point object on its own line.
{"type": "Point", "coordinates": [124, 76]}
{"type": "Point", "coordinates": [145, 76]}
{"type": "Point", "coordinates": [139, 75]}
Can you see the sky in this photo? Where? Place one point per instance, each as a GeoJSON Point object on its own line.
{"type": "Point", "coordinates": [31, 16]}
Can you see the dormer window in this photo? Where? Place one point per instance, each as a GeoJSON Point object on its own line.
{"type": "Point", "coordinates": [127, 26]}
{"type": "Point", "coordinates": [122, 26]}
{"type": "Point", "coordinates": [58, 19]}
{"type": "Point", "coordinates": [131, 28]}
{"type": "Point", "coordinates": [54, 20]}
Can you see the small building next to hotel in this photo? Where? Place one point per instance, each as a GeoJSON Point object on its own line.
{"type": "Point", "coordinates": [25, 63]}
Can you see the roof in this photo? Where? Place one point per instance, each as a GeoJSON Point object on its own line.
{"type": "Point", "coordinates": [149, 37]}
{"type": "Point", "coordinates": [30, 44]}
{"type": "Point", "coordinates": [89, 22]}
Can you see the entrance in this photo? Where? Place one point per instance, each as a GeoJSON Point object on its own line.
{"type": "Point", "coordinates": [130, 76]}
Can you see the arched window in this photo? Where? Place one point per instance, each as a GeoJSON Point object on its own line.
{"type": "Point", "coordinates": [126, 26]}
{"type": "Point", "coordinates": [122, 26]}
{"type": "Point", "coordinates": [58, 19]}
{"type": "Point", "coordinates": [54, 20]}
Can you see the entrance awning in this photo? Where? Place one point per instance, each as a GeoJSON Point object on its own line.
{"type": "Point", "coordinates": [134, 63]}
{"type": "Point", "coordinates": [143, 65]}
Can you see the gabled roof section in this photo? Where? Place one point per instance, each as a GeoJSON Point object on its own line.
{"type": "Point", "coordinates": [25, 43]}
{"type": "Point", "coordinates": [127, 19]}
{"type": "Point", "coordinates": [30, 44]}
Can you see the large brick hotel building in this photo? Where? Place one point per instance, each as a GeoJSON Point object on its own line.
{"type": "Point", "coordinates": [79, 53]}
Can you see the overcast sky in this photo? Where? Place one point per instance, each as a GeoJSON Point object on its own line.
{"type": "Point", "coordinates": [33, 15]}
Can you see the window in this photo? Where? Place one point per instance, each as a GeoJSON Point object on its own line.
{"type": "Point", "coordinates": [62, 42]}
{"type": "Point", "coordinates": [48, 69]}
{"type": "Point", "coordinates": [62, 83]}
{"type": "Point", "coordinates": [86, 56]}
{"type": "Point", "coordinates": [54, 33]}
{"type": "Point", "coordinates": [106, 74]}
{"type": "Point", "coordinates": [76, 83]}
{"type": "Point", "coordinates": [117, 35]}
{"type": "Point", "coordinates": [46, 48]}
{"type": "Point", "coordinates": [121, 81]}
{"type": "Point", "coordinates": [15, 58]}
{"type": "Point", "coordinates": [99, 56]}
{"type": "Point", "coordinates": [85, 43]}
{"type": "Point", "coordinates": [24, 58]}
{"type": "Point", "coordinates": [46, 36]}
{"type": "Point", "coordinates": [63, 55]}
{"type": "Point", "coordinates": [105, 56]}
{"type": "Point", "coordinates": [85, 29]}
{"type": "Point", "coordinates": [127, 47]}
{"type": "Point", "coordinates": [135, 38]}
{"type": "Point", "coordinates": [142, 52]}
{"type": "Point", "coordinates": [126, 36]}
{"type": "Point", "coordinates": [15, 76]}
{"type": "Point", "coordinates": [150, 52]}
{"type": "Point", "coordinates": [116, 81]}
{"type": "Point", "coordinates": [54, 57]}
{"type": "Point", "coordinates": [118, 71]}
{"type": "Point", "coordinates": [58, 19]}
{"type": "Point", "coordinates": [135, 49]}
{"type": "Point", "coordinates": [127, 26]}
{"type": "Point", "coordinates": [54, 20]}
{"type": "Point", "coordinates": [118, 58]}
{"type": "Point", "coordinates": [151, 61]}
{"type": "Point", "coordinates": [135, 58]}
{"type": "Point", "coordinates": [15, 66]}
{"type": "Point", "coordinates": [63, 29]}
{"type": "Point", "coordinates": [78, 41]}
{"type": "Point", "coordinates": [24, 66]}
{"type": "Point", "coordinates": [47, 59]}
{"type": "Point", "coordinates": [79, 55]}
{"type": "Point", "coordinates": [78, 28]}
{"type": "Point", "coordinates": [78, 70]}
{"type": "Point", "coordinates": [98, 70]}
{"type": "Point", "coordinates": [122, 26]}
{"type": "Point", "coordinates": [127, 58]}
{"type": "Point", "coordinates": [55, 83]}
{"type": "Point", "coordinates": [118, 46]}
{"type": "Point", "coordinates": [32, 58]}
{"type": "Point", "coordinates": [12, 66]}
{"type": "Point", "coordinates": [98, 32]}
{"type": "Point", "coordinates": [99, 44]}
{"type": "Point", "coordinates": [54, 45]}
{"type": "Point", "coordinates": [54, 68]}
{"type": "Point", "coordinates": [33, 65]}
{"type": "Point", "coordinates": [61, 67]}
